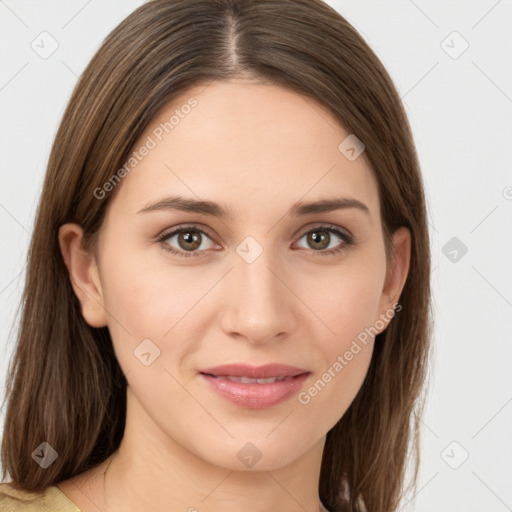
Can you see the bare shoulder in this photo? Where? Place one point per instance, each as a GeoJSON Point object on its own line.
{"type": "Point", "coordinates": [84, 490]}
{"type": "Point", "coordinates": [14, 499]}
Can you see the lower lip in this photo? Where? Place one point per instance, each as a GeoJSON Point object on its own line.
{"type": "Point", "coordinates": [254, 395]}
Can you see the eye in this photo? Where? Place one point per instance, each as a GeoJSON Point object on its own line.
{"type": "Point", "coordinates": [190, 241]}
{"type": "Point", "coordinates": [320, 238]}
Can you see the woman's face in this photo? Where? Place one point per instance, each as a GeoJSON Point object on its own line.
{"type": "Point", "coordinates": [266, 283]}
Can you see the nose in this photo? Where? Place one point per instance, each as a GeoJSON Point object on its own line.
{"type": "Point", "coordinates": [260, 305]}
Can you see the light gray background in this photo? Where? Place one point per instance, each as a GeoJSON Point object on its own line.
{"type": "Point", "coordinates": [460, 110]}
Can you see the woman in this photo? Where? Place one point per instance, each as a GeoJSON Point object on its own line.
{"type": "Point", "coordinates": [227, 301]}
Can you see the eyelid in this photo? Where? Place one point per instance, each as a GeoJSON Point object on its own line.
{"type": "Point", "coordinates": [166, 233]}
{"type": "Point", "coordinates": [319, 225]}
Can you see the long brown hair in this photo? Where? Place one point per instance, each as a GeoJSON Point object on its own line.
{"type": "Point", "coordinates": [65, 385]}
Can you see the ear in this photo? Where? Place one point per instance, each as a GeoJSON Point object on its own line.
{"type": "Point", "coordinates": [396, 274]}
{"type": "Point", "coordinates": [83, 273]}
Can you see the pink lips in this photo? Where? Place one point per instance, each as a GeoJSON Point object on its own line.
{"type": "Point", "coordinates": [287, 380]}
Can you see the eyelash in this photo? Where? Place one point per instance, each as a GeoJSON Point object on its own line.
{"type": "Point", "coordinates": [347, 239]}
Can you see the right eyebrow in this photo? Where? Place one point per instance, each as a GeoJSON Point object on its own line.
{"type": "Point", "coordinates": [189, 205]}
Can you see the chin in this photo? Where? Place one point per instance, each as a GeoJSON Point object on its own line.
{"type": "Point", "coordinates": [255, 452]}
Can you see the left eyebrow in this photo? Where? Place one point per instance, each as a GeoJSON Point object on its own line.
{"type": "Point", "coordinates": [216, 210]}
{"type": "Point", "coordinates": [328, 205]}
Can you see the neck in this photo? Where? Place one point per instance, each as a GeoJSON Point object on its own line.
{"type": "Point", "coordinates": [152, 471]}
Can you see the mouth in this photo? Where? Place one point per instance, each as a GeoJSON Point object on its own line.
{"type": "Point", "coordinates": [267, 371]}
{"type": "Point", "coordinates": [255, 387]}
{"type": "Point", "coordinates": [249, 380]}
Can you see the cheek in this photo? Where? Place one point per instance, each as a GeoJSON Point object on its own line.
{"type": "Point", "coordinates": [348, 305]}
{"type": "Point", "coordinates": [349, 301]}
{"type": "Point", "coordinates": [345, 359]}
{"type": "Point", "coordinates": [146, 305]}
{"type": "Point", "coordinates": [146, 297]}
{"type": "Point", "coordinates": [141, 304]}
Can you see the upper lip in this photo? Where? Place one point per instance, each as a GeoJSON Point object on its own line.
{"type": "Point", "coordinates": [254, 372]}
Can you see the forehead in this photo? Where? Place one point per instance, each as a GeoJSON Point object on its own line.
{"type": "Point", "coordinates": [247, 145]}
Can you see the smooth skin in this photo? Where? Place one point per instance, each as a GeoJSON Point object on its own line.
{"type": "Point", "coordinates": [256, 149]}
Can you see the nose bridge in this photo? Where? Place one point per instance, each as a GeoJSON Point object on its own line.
{"type": "Point", "coordinates": [259, 303]}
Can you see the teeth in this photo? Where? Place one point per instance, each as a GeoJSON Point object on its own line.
{"type": "Point", "coordinates": [248, 380]}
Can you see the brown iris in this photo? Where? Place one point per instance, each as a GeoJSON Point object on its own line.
{"type": "Point", "coordinates": [190, 239]}
{"type": "Point", "coordinates": [314, 238]}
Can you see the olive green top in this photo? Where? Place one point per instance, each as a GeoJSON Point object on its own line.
{"type": "Point", "coordinates": [51, 500]}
